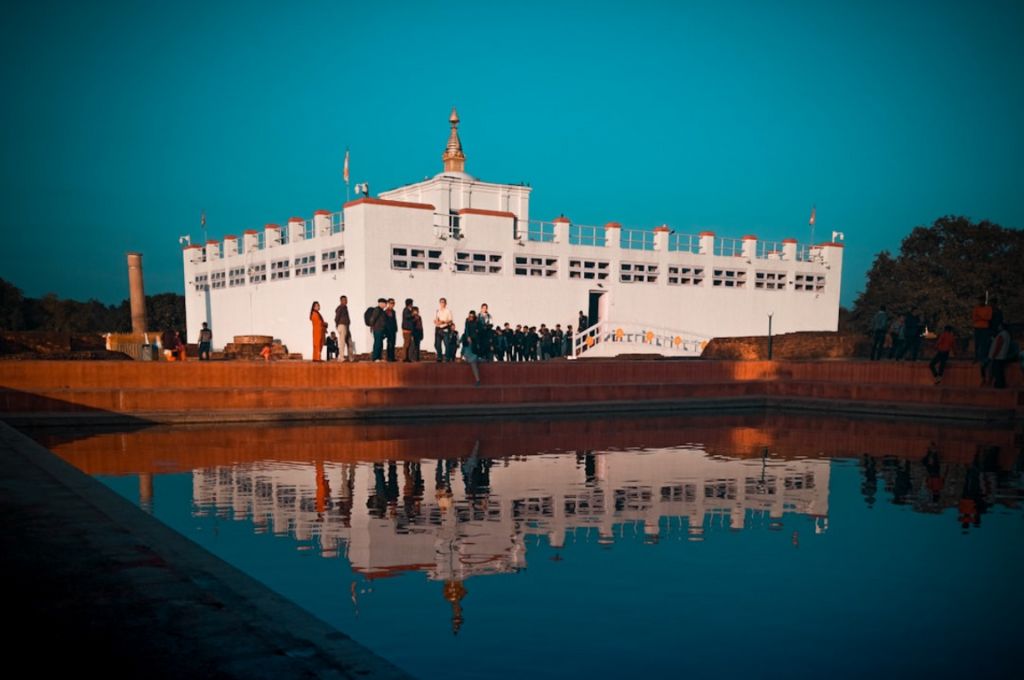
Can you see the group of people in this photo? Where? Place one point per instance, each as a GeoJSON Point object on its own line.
{"type": "Point", "coordinates": [480, 339]}
{"type": "Point", "coordinates": [900, 335]}
{"type": "Point", "coordinates": [174, 347]}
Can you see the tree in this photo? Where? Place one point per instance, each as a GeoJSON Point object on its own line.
{"type": "Point", "coordinates": [943, 269]}
{"type": "Point", "coordinates": [12, 316]}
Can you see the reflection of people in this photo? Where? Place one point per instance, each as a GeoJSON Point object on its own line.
{"type": "Point", "coordinates": [319, 330]}
{"type": "Point", "coordinates": [971, 500]}
{"type": "Point", "coordinates": [933, 469]}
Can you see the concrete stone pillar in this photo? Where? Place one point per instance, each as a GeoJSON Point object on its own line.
{"type": "Point", "coordinates": [613, 237]}
{"type": "Point", "coordinates": [789, 249]}
{"type": "Point", "coordinates": [250, 240]}
{"type": "Point", "coordinates": [749, 246]}
{"type": "Point", "coordinates": [561, 229]}
{"type": "Point", "coordinates": [230, 245]}
{"type": "Point", "coordinates": [296, 229]}
{"type": "Point", "coordinates": [661, 238]}
{"type": "Point", "coordinates": [136, 293]}
{"type": "Point", "coordinates": [707, 242]}
{"type": "Point", "coordinates": [271, 235]}
{"type": "Point", "coordinates": [322, 222]}
{"type": "Point", "coordinates": [212, 250]}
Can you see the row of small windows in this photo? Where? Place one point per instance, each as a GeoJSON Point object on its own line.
{"type": "Point", "coordinates": [305, 265]}
{"type": "Point", "coordinates": [415, 257]}
{"type": "Point", "coordinates": [638, 272]}
{"type": "Point", "coordinates": [279, 269]}
{"type": "Point", "coordinates": [477, 262]}
{"type": "Point", "coordinates": [536, 266]}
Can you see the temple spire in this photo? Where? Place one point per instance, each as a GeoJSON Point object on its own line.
{"type": "Point", "coordinates": [454, 159]}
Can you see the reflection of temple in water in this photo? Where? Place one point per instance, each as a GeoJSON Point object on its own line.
{"type": "Point", "coordinates": [457, 518]}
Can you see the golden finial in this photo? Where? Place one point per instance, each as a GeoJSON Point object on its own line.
{"type": "Point", "coordinates": [453, 157]}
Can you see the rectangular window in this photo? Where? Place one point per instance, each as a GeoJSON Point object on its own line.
{"type": "Point", "coordinates": [770, 280]}
{"type": "Point", "coordinates": [236, 277]}
{"type": "Point", "coordinates": [258, 272]}
{"type": "Point", "coordinates": [280, 269]}
{"type": "Point", "coordinates": [638, 272]}
{"type": "Point", "coordinates": [407, 258]}
{"type": "Point", "coordinates": [332, 260]}
{"type": "Point", "coordinates": [596, 270]}
{"type": "Point", "coordinates": [530, 265]}
{"type": "Point", "coordinates": [679, 275]}
{"type": "Point", "coordinates": [305, 265]}
{"type": "Point", "coordinates": [809, 282]}
{"type": "Point", "coordinates": [729, 278]}
{"type": "Point", "coordinates": [477, 262]}
{"type": "Point", "coordinates": [218, 279]}
{"type": "Point", "coordinates": [202, 282]}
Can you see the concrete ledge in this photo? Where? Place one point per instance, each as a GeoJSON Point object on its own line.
{"type": "Point", "coordinates": [122, 594]}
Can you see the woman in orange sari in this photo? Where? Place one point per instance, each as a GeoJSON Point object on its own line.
{"type": "Point", "coordinates": [319, 330]}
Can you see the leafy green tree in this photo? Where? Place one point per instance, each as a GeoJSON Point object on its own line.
{"type": "Point", "coordinates": [943, 269]}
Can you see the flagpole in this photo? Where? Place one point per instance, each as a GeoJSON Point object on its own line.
{"type": "Point", "coordinates": [348, 195]}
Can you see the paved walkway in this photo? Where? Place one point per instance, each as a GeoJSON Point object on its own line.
{"type": "Point", "coordinates": [96, 585]}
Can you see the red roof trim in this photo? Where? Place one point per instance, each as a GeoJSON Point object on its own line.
{"type": "Point", "coordinates": [296, 219]}
{"type": "Point", "coordinates": [212, 242]}
{"type": "Point", "coordinates": [561, 218]}
{"type": "Point", "coordinates": [831, 245]}
{"type": "Point", "coordinates": [789, 240]}
{"type": "Point", "coordinates": [662, 228]}
{"type": "Point", "coordinates": [489, 213]}
{"type": "Point", "coordinates": [707, 233]}
{"type": "Point", "coordinates": [613, 225]}
{"type": "Point", "coordinates": [394, 204]}
{"type": "Point", "coordinates": [193, 247]}
{"type": "Point", "coordinates": [749, 237]}
{"type": "Point", "coordinates": [231, 237]}
{"type": "Point", "coordinates": [271, 226]}
{"type": "Point", "coordinates": [322, 212]}
{"type": "Point", "coordinates": [250, 231]}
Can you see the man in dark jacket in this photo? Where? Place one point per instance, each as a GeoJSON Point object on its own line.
{"type": "Point", "coordinates": [391, 327]}
{"type": "Point", "coordinates": [408, 325]}
{"type": "Point", "coordinates": [378, 321]}
{"type": "Point", "coordinates": [347, 348]}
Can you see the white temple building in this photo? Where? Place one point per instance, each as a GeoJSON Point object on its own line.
{"type": "Point", "coordinates": [473, 242]}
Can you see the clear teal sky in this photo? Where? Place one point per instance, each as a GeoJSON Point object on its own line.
{"type": "Point", "coordinates": [121, 122]}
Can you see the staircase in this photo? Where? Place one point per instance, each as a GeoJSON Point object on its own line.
{"type": "Point", "coordinates": [609, 339]}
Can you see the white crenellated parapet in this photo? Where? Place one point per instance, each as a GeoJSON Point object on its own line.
{"type": "Point", "coordinates": [661, 238]}
{"type": "Point", "coordinates": [296, 229]}
{"type": "Point", "coordinates": [230, 245]}
{"type": "Point", "coordinates": [749, 246]}
{"type": "Point", "coordinates": [831, 254]}
{"type": "Point", "coordinates": [193, 254]}
{"type": "Point", "coordinates": [213, 250]}
{"type": "Point", "coordinates": [561, 229]}
{"type": "Point", "coordinates": [789, 249]}
{"type": "Point", "coordinates": [322, 223]}
{"type": "Point", "coordinates": [271, 235]}
{"type": "Point", "coordinates": [250, 240]}
{"type": "Point", "coordinates": [707, 242]}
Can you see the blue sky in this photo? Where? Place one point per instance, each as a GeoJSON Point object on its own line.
{"type": "Point", "coordinates": [123, 121]}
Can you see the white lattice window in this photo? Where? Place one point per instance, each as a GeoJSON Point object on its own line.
{"type": "Point", "coordinates": [332, 260]}
{"type": "Point", "coordinates": [236, 277]}
{"type": "Point", "coordinates": [305, 265]}
{"type": "Point", "coordinates": [679, 275]}
{"type": "Point", "coordinates": [202, 282]}
{"type": "Point", "coordinates": [770, 280]}
{"type": "Point", "coordinates": [638, 272]}
{"type": "Point", "coordinates": [218, 279]}
{"type": "Point", "coordinates": [477, 262]}
{"type": "Point", "coordinates": [809, 282]}
{"type": "Point", "coordinates": [588, 269]}
{"type": "Point", "coordinates": [729, 278]}
{"type": "Point", "coordinates": [415, 258]}
{"type": "Point", "coordinates": [528, 265]}
{"type": "Point", "coordinates": [280, 269]}
{"type": "Point", "coordinates": [258, 272]}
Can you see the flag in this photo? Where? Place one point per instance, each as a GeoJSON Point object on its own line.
{"type": "Point", "coordinates": [812, 216]}
{"type": "Point", "coordinates": [344, 172]}
{"type": "Point", "coordinates": [202, 219]}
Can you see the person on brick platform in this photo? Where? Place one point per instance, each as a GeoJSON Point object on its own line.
{"type": "Point", "coordinates": [442, 319]}
{"type": "Point", "coordinates": [999, 356]}
{"type": "Point", "coordinates": [319, 330]}
{"type": "Point", "coordinates": [332, 346]}
{"type": "Point", "coordinates": [879, 326]}
{"type": "Point", "coordinates": [390, 327]}
{"type": "Point", "coordinates": [943, 346]}
{"type": "Point", "coordinates": [343, 323]}
{"type": "Point", "coordinates": [205, 342]}
{"type": "Point", "coordinates": [981, 320]}
{"type": "Point", "coordinates": [417, 335]}
{"type": "Point", "coordinates": [407, 328]}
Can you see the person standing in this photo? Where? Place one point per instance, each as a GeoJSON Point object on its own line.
{"type": "Point", "coordinates": [943, 346]}
{"type": "Point", "coordinates": [169, 344]}
{"type": "Point", "coordinates": [484, 317]}
{"type": "Point", "coordinates": [319, 330]}
{"type": "Point", "coordinates": [911, 335]}
{"type": "Point", "coordinates": [895, 336]}
{"type": "Point", "coordinates": [376, 319]}
{"type": "Point", "coordinates": [407, 328]}
{"type": "Point", "coordinates": [417, 335]}
{"type": "Point", "coordinates": [470, 342]}
{"type": "Point", "coordinates": [332, 346]}
{"type": "Point", "coordinates": [981, 321]}
{"type": "Point", "coordinates": [879, 326]}
{"type": "Point", "coordinates": [998, 356]}
{"type": "Point", "coordinates": [442, 319]}
{"type": "Point", "coordinates": [582, 322]}
{"type": "Point", "coordinates": [343, 323]}
{"type": "Point", "coordinates": [205, 342]}
{"type": "Point", "coordinates": [391, 327]}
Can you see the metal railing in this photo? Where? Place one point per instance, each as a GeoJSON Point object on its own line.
{"type": "Point", "coordinates": [728, 247]}
{"type": "Point", "coordinates": [636, 239]}
{"type": "Point", "coordinates": [583, 235]}
{"type": "Point", "coordinates": [632, 337]}
{"type": "Point", "coordinates": [683, 243]}
{"type": "Point", "coordinates": [540, 232]}
{"type": "Point", "coordinates": [769, 250]}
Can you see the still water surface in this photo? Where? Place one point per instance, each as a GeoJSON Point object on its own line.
{"type": "Point", "coordinates": [768, 546]}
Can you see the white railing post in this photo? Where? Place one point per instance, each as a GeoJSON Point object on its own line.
{"type": "Point", "coordinates": [296, 229]}
{"type": "Point", "coordinates": [322, 223]}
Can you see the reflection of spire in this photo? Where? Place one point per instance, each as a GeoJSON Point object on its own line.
{"type": "Point", "coordinates": [454, 591]}
{"type": "Point", "coordinates": [454, 159]}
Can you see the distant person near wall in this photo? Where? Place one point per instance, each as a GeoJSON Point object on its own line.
{"type": "Point", "coordinates": [343, 323]}
{"type": "Point", "coordinates": [879, 327]}
{"type": "Point", "coordinates": [981, 321]}
{"type": "Point", "coordinates": [943, 346]}
{"type": "Point", "coordinates": [205, 342]}
{"type": "Point", "coordinates": [319, 330]}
